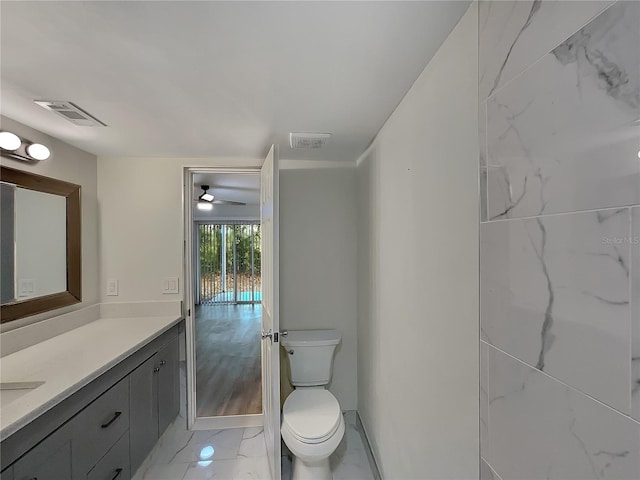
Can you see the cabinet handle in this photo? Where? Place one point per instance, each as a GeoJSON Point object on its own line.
{"type": "Point", "coordinates": [115, 417]}
{"type": "Point", "coordinates": [163, 363]}
{"type": "Point", "coordinates": [156, 370]}
{"type": "Point", "coordinates": [118, 472]}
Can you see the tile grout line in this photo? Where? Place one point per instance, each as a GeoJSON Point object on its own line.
{"type": "Point", "coordinates": [493, 470]}
{"type": "Point", "coordinates": [588, 210]}
{"type": "Point", "coordinates": [539, 59]}
{"type": "Point", "coordinates": [566, 385]}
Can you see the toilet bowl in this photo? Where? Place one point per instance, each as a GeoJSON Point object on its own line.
{"type": "Point", "coordinates": [312, 422]}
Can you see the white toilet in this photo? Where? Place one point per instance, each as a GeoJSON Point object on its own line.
{"type": "Point", "coordinates": [312, 423]}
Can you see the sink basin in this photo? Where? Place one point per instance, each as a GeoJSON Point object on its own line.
{"type": "Point", "coordinates": [11, 391]}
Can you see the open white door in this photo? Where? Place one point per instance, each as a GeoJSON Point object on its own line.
{"type": "Point", "coordinates": [270, 311]}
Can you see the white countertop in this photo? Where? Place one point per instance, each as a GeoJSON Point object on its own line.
{"type": "Point", "coordinates": [70, 361]}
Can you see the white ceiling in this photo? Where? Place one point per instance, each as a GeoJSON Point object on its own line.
{"type": "Point", "coordinates": [204, 79]}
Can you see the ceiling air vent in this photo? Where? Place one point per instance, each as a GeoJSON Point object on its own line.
{"type": "Point", "coordinates": [71, 112]}
{"type": "Point", "coordinates": [308, 140]}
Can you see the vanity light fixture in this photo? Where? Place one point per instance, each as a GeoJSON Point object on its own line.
{"type": "Point", "coordinates": [9, 141]}
{"type": "Point", "coordinates": [12, 146]}
{"type": "Point", "coordinates": [37, 151]}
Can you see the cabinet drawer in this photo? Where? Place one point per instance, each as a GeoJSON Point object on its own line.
{"type": "Point", "coordinates": [97, 428]}
{"type": "Point", "coordinates": [49, 460]}
{"type": "Point", "coordinates": [115, 464]}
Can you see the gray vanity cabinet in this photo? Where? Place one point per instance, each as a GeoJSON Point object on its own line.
{"type": "Point", "coordinates": [155, 399]}
{"type": "Point", "coordinates": [50, 460]}
{"type": "Point", "coordinates": [96, 428]}
{"type": "Point", "coordinates": [115, 464]}
{"type": "Point", "coordinates": [168, 384]}
{"type": "Point", "coordinates": [106, 429]}
{"type": "Point", "coordinates": [143, 384]}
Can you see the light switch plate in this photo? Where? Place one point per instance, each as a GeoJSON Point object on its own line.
{"type": "Point", "coordinates": [112, 287]}
{"type": "Point", "coordinates": [170, 285]}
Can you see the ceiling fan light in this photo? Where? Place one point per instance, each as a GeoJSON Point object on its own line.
{"type": "Point", "coordinates": [9, 141]}
{"type": "Point", "coordinates": [205, 206]}
{"type": "Point", "coordinates": [38, 151]}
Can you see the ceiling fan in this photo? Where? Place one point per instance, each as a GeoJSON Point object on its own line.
{"type": "Point", "coordinates": [206, 200]}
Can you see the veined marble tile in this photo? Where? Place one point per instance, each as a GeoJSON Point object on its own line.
{"type": "Point", "coordinates": [541, 429]}
{"type": "Point", "coordinates": [482, 144]}
{"type": "Point", "coordinates": [256, 468]}
{"type": "Point", "coordinates": [202, 445]}
{"type": "Point", "coordinates": [555, 294]}
{"type": "Point", "coordinates": [563, 136]}
{"type": "Point", "coordinates": [513, 34]}
{"type": "Point", "coordinates": [169, 471]}
{"type": "Point", "coordinates": [486, 473]}
{"type": "Point", "coordinates": [484, 401]}
{"type": "Point", "coordinates": [349, 461]}
{"type": "Point", "coordinates": [635, 312]}
{"type": "Point", "coordinates": [253, 444]}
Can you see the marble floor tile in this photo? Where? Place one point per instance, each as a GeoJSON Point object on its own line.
{"type": "Point", "coordinates": [253, 444]}
{"type": "Point", "coordinates": [255, 468]}
{"type": "Point", "coordinates": [349, 461]}
{"type": "Point", "coordinates": [172, 471]}
{"type": "Point", "coordinates": [239, 454]}
{"type": "Point", "coordinates": [542, 429]}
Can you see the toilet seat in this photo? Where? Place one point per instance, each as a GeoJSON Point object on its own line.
{"type": "Point", "coordinates": [311, 416]}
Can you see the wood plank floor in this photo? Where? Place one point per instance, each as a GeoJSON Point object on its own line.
{"type": "Point", "coordinates": [228, 359]}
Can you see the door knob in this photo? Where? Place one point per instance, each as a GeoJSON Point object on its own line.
{"type": "Point", "coordinates": [268, 334]}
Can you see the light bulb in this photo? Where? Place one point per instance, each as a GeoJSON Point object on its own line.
{"type": "Point", "coordinates": [9, 141]}
{"type": "Point", "coordinates": [38, 151]}
{"type": "Point", "coordinates": [205, 206]}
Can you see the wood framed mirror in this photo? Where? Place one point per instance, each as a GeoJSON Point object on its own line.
{"type": "Point", "coordinates": [41, 244]}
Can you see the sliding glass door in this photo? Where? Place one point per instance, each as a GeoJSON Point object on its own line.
{"type": "Point", "coordinates": [228, 271]}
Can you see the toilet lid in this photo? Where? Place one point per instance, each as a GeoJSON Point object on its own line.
{"type": "Point", "coordinates": [311, 415]}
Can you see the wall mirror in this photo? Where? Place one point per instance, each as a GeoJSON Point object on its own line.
{"type": "Point", "coordinates": [40, 244]}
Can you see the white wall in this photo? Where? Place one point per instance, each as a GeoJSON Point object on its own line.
{"type": "Point", "coordinates": [71, 165]}
{"type": "Point", "coordinates": [141, 224]}
{"type": "Point", "coordinates": [318, 263]}
{"type": "Point", "coordinates": [418, 273]}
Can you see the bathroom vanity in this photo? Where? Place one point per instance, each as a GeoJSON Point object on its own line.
{"type": "Point", "coordinates": [101, 396]}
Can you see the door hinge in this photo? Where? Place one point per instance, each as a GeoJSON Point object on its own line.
{"type": "Point", "coordinates": [275, 337]}
{"type": "Point", "coordinates": [189, 313]}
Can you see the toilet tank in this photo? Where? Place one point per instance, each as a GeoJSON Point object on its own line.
{"type": "Point", "coordinates": [310, 355]}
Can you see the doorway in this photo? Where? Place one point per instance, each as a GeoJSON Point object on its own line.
{"type": "Point", "coordinates": [226, 274]}
{"type": "Point", "coordinates": [267, 328]}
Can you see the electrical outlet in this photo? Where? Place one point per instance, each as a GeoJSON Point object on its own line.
{"type": "Point", "coordinates": [112, 287]}
{"type": "Point", "coordinates": [26, 287]}
{"type": "Point", "coordinates": [170, 285]}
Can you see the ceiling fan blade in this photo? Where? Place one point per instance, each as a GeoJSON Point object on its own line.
{"type": "Point", "coordinates": [227, 202]}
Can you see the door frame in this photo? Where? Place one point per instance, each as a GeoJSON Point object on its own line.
{"type": "Point", "coordinates": [193, 422]}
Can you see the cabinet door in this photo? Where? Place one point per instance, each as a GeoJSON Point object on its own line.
{"type": "Point", "coordinates": [50, 460]}
{"type": "Point", "coordinates": [115, 464]}
{"type": "Point", "coordinates": [168, 383]}
{"type": "Point", "coordinates": [143, 430]}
